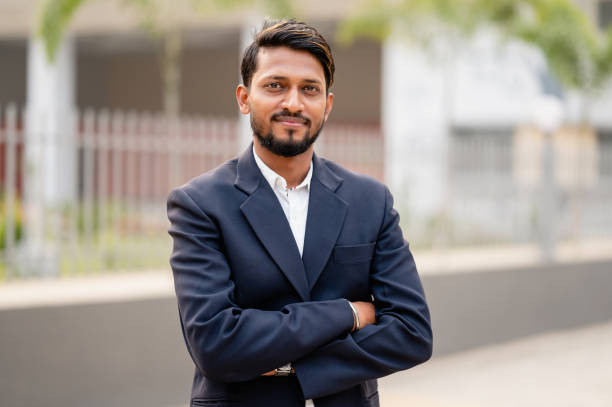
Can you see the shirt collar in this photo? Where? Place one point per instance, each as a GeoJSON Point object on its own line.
{"type": "Point", "coordinates": [276, 180]}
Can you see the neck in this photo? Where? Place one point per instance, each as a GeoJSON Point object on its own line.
{"type": "Point", "coordinates": [292, 169]}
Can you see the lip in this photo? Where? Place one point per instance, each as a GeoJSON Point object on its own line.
{"type": "Point", "coordinates": [290, 121]}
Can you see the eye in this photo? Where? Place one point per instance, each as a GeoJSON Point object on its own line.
{"type": "Point", "coordinates": [311, 89]}
{"type": "Point", "coordinates": [273, 85]}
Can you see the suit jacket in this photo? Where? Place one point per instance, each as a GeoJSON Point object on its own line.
{"type": "Point", "coordinates": [248, 303]}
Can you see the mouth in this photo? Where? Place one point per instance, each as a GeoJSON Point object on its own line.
{"type": "Point", "coordinates": [290, 121]}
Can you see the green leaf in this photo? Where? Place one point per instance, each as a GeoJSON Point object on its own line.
{"type": "Point", "coordinates": [54, 20]}
{"type": "Point", "coordinates": [576, 53]}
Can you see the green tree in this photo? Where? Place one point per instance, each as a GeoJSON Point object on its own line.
{"type": "Point", "coordinates": [162, 20]}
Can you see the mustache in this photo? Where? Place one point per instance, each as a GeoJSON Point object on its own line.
{"type": "Point", "coordinates": [286, 113]}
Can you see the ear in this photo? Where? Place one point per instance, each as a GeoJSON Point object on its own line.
{"type": "Point", "coordinates": [242, 97]}
{"type": "Point", "coordinates": [329, 104]}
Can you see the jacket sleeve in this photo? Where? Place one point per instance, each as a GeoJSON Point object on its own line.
{"type": "Point", "coordinates": [401, 337]}
{"type": "Point", "coordinates": [228, 343]}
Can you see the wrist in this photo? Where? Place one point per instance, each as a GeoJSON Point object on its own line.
{"type": "Point", "coordinates": [356, 323]}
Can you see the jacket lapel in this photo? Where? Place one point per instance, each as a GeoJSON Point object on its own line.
{"type": "Point", "coordinates": [326, 213]}
{"type": "Point", "coordinates": [265, 215]}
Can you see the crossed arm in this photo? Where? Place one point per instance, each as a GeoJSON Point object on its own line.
{"type": "Point", "coordinates": [228, 343]}
{"type": "Point", "coordinates": [366, 315]}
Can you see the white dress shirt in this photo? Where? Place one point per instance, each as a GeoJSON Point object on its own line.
{"type": "Point", "coordinates": [294, 202]}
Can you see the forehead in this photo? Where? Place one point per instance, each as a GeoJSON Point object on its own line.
{"type": "Point", "coordinates": [284, 61]}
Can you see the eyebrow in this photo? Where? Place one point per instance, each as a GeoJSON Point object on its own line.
{"type": "Point", "coordinates": [280, 77]}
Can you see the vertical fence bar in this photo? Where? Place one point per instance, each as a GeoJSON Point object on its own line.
{"type": "Point", "coordinates": [212, 143]}
{"type": "Point", "coordinates": [23, 168]}
{"type": "Point", "coordinates": [201, 134]}
{"type": "Point", "coordinates": [181, 150]}
{"type": "Point", "coordinates": [10, 184]}
{"type": "Point", "coordinates": [223, 141]}
{"type": "Point", "coordinates": [116, 189]}
{"type": "Point", "coordinates": [88, 180]}
{"type": "Point", "coordinates": [21, 173]}
{"type": "Point", "coordinates": [75, 260]}
{"type": "Point", "coordinates": [196, 169]}
{"type": "Point", "coordinates": [173, 138]}
{"type": "Point", "coordinates": [102, 199]}
{"type": "Point", "coordinates": [130, 185]}
{"type": "Point", "coordinates": [187, 150]}
{"type": "Point", "coordinates": [144, 184]}
{"type": "Point", "coordinates": [35, 211]}
{"type": "Point", "coordinates": [144, 176]}
{"type": "Point", "coordinates": [160, 183]}
{"type": "Point", "coordinates": [4, 266]}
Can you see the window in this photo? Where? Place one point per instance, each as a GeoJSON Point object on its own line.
{"type": "Point", "coordinates": [605, 154]}
{"type": "Point", "coordinates": [482, 151]}
{"type": "Point", "coordinates": [604, 13]}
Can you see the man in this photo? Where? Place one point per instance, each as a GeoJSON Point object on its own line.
{"type": "Point", "coordinates": [293, 280]}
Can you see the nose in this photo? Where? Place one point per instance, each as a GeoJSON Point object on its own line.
{"type": "Point", "coordinates": [292, 101]}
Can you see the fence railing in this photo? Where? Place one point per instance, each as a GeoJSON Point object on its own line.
{"type": "Point", "coordinates": [110, 211]}
{"type": "Point", "coordinates": [499, 192]}
{"type": "Point", "coordinates": [124, 166]}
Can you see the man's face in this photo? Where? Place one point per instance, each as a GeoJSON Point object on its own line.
{"type": "Point", "coordinates": [286, 100]}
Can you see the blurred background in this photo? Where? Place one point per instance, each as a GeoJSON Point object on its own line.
{"type": "Point", "coordinates": [490, 121]}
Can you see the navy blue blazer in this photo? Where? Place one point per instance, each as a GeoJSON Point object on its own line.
{"type": "Point", "coordinates": [248, 303]}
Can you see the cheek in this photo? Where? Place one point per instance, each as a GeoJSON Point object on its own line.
{"type": "Point", "coordinates": [258, 112]}
{"type": "Point", "coordinates": [263, 102]}
{"type": "Point", "coordinates": [318, 108]}
{"type": "Point", "coordinates": [318, 115]}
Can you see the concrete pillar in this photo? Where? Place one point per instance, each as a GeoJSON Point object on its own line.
{"type": "Point", "coordinates": [51, 112]}
{"type": "Point", "coordinates": [51, 155]}
{"type": "Point", "coordinates": [548, 115]}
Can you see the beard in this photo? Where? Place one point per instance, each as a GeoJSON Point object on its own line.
{"type": "Point", "coordinates": [289, 147]}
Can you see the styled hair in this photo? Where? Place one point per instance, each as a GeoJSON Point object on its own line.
{"type": "Point", "coordinates": [295, 35]}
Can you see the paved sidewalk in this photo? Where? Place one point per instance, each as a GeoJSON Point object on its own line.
{"type": "Point", "coordinates": [561, 369]}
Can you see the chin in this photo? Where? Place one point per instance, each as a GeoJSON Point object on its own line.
{"type": "Point", "coordinates": [290, 135]}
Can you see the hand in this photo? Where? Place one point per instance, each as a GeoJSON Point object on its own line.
{"type": "Point", "coordinates": [366, 313]}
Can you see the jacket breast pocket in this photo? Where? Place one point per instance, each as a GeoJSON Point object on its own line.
{"type": "Point", "coordinates": [354, 253]}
